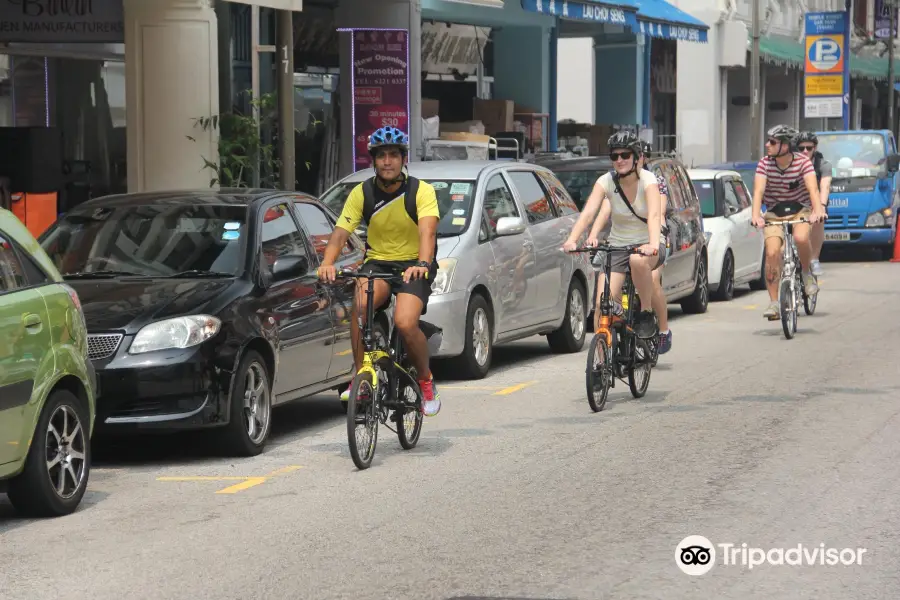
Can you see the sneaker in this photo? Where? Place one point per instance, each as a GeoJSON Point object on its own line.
{"type": "Point", "coordinates": [645, 325]}
{"type": "Point", "coordinates": [810, 283]}
{"type": "Point", "coordinates": [665, 342]}
{"type": "Point", "coordinates": [816, 267]}
{"type": "Point", "coordinates": [773, 312]}
{"type": "Point", "coordinates": [432, 404]}
{"type": "Point", "coordinates": [345, 395]}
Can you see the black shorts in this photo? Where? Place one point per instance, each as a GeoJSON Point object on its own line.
{"type": "Point", "coordinates": [420, 288]}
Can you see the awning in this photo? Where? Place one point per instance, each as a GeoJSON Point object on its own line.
{"type": "Point", "coordinates": [659, 19]}
{"type": "Point", "coordinates": [619, 13]}
{"type": "Point", "coordinates": [292, 5]}
{"type": "Point", "coordinates": [788, 52]}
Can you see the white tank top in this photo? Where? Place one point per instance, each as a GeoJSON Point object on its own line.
{"type": "Point", "coordinates": [627, 229]}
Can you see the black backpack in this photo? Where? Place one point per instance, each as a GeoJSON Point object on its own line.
{"type": "Point", "coordinates": [409, 201]}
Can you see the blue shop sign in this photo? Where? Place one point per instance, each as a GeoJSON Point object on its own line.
{"type": "Point", "coordinates": [584, 11]}
{"type": "Point", "coordinates": [668, 31]}
{"type": "Point", "coordinates": [825, 23]}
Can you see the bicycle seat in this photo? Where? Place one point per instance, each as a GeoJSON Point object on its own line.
{"type": "Point", "coordinates": [786, 209]}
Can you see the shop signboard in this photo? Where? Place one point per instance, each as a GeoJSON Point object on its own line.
{"type": "Point", "coordinates": [825, 72]}
{"type": "Point", "coordinates": [380, 85]}
{"type": "Point", "coordinates": [883, 20]}
{"type": "Point", "coordinates": [59, 22]}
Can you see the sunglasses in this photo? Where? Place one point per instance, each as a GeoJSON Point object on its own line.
{"type": "Point", "coordinates": [772, 142]}
{"type": "Point", "coordinates": [614, 156]}
{"type": "Point", "coordinates": [807, 148]}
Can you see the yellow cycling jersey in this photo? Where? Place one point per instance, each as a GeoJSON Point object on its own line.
{"type": "Point", "coordinates": [392, 234]}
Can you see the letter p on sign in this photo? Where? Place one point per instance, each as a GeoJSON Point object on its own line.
{"type": "Point", "coordinates": [824, 54]}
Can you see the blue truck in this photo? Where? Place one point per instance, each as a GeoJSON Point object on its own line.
{"type": "Point", "coordinates": [865, 189]}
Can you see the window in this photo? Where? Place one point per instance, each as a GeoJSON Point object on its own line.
{"type": "Point", "coordinates": [741, 192]}
{"type": "Point", "coordinates": [690, 195]}
{"type": "Point", "coordinates": [498, 202]}
{"type": "Point", "coordinates": [731, 199]}
{"type": "Point", "coordinates": [561, 200]}
{"type": "Point", "coordinates": [534, 198]}
{"type": "Point", "coordinates": [280, 236]}
{"type": "Point", "coordinates": [706, 189]}
{"type": "Point", "coordinates": [12, 276]}
{"type": "Point", "coordinates": [320, 226]}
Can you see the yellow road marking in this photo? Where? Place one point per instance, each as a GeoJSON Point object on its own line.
{"type": "Point", "coordinates": [13, 443]}
{"type": "Point", "coordinates": [750, 307]}
{"type": "Point", "coordinates": [514, 388]}
{"type": "Point", "coordinates": [245, 482]}
{"type": "Point", "coordinates": [240, 487]}
{"type": "Point", "coordinates": [344, 353]}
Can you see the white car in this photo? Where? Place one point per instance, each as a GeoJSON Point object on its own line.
{"type": "Point", "coordinates": [736, 248]}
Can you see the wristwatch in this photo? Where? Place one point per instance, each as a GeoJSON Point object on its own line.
{"type": "Point", "coordinates": [424, 264]}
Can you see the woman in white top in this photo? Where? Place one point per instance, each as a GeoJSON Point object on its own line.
{"type": "Point", "coordinates": [636, 221]}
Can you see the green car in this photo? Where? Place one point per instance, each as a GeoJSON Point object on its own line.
{"type": "Point", "coordinates": [46, 380]}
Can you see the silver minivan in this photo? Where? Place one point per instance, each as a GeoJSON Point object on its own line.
{"type": "Point", "coordinates": [503, 275]}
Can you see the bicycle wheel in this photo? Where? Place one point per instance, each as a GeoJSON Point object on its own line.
{"type": "Point", "coordinates": [640, 369]}
{"type": "Point", "coordinates": [788, 309]}
{"type": "Point", "coordinates": [809, 302]}
{"type": "Point", "coordinates": [362, 414]}
{"type": "Point", "coordinates": [598, 374]}
{"type": "Point", "coordinates": [409, 423]}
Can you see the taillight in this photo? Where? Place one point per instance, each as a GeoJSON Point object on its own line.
{"type": "Point", "coordinates": [74, 296]}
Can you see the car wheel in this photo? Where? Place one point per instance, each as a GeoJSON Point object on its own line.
{"type": "Point", "coordinates": [570, 335]}
{"type": "Point", "coordinates": [726, 281]}
{"type": "Point", "coordinates": [251, 408]}
{"type": "Point", "coordinates": [475, 360]}
{"type": "Point", "coordinates": [58, 464]}
{"type": "Point", "coordinates": [760, 284]}
{"type": "Point", "coordinates": [698, 302]}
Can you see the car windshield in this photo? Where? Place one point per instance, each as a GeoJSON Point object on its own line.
{"type": "Point", "coordinates": [148, 240]}
{"type": "Point", "coordinates": [854, 155]}
{"type": "Point", "coordinates": [454, 196]}
{"type": "Point", "coordinates": [579, 183]}
{"type": "Point", "coordinates": [706, 190]}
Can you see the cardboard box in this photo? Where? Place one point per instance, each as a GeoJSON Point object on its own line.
{"type": "Point", "coordinates": [464, 127]}
{"type": "Point", "coordinates": [459, 136]}
{"type": "Point", "coordinates": [497, 115]}
{"type": "Point", "coordinates": [430, 108]}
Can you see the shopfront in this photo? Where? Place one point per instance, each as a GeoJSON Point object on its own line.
{"type": "Point", "coordinates": [101, 97]}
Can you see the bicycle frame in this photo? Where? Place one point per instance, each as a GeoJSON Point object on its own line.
{"type": "Point", "coordinates": [373, 354]}
{"type": "Point", "coordinates": [790, 264]}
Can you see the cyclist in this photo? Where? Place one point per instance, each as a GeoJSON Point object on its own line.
{"type": "Point", "coordinates": [808, 146]}
{"type": "Point", "coordinates": [785, 176]}
{"type": "Point", "coordinates": [658, 302]}
{"type": "Point", "coordinates": [633, 208]}
{"type": "Point", "coordinates": [395, 242]}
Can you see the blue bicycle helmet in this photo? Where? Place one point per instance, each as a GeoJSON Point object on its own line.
{"type": "Point", "coordinates": [388, 136]}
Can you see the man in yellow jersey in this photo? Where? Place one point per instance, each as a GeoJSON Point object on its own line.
{"type": "Point", "coordinates": [402, 216]}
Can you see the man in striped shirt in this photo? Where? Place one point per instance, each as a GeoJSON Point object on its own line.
{"type": "Point", "coordinates": [783, 178]}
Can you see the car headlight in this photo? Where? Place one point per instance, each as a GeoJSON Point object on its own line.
{"type": "Point", "coordinates": [181, 332]}
{"type": "Point", "coordinates": [879, 218]}
{"type": "Point", "coordinates": [446, 268]}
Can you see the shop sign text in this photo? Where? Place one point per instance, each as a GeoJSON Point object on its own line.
{"type": "Point", "coordinates": [61, 21]}
{"type": "Point", "coordinates": [577, 10]}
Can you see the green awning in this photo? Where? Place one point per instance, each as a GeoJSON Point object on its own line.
{"type": "Point", "coordinates": [788, 52]}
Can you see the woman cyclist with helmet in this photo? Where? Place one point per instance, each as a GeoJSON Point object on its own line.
{"type": "Point", "coordinates": [808, 146]}
{"type": "Point", "coordinates": [629, 196]}
{"type": "Point", "coordinates": [394, 241]}
{"type": "Point", "coordinates": [659, 303]}
{"type": "Point", "coordinates": [783, 178]}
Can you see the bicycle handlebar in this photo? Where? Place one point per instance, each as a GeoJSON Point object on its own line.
{"type": "Point", "coordinates": [608, 248]}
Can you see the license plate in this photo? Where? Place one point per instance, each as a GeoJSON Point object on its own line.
{"type": "Point", "coordinates": [838, 202]}
{"type": "Point", "coordinates": [837, 236]}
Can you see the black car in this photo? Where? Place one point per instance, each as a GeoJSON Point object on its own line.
{"type": "Point", "coordinates": [203, 307]}
{"type": "Point", "coordinates": [685, 278]}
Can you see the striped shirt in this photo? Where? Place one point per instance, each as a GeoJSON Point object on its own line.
{"type": "Point", "coordinates": [787, 185]}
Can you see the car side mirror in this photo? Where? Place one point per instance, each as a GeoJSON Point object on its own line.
{"type": "Point", "coordinates": [893, 163]}
{"type": "Point", "coordinates": [288, 267]}
{"type": "Point", "coordinates": [510, 226]}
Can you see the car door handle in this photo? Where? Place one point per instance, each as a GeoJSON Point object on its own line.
{"type": "Point", "coordinates": [31, 320]}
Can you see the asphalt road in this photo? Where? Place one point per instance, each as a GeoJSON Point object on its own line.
{"type": "Point", "coordinates": [518, 490]}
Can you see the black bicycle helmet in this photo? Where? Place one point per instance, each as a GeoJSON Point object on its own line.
{"type": "Point", "coordinates": [625, 140]}
{"type": "Point", "coordinates": [807, 136]}
{"type": "Point", "coordinates": [646, 148]}
{"type": "Point", "coordinates": [783, 133]}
